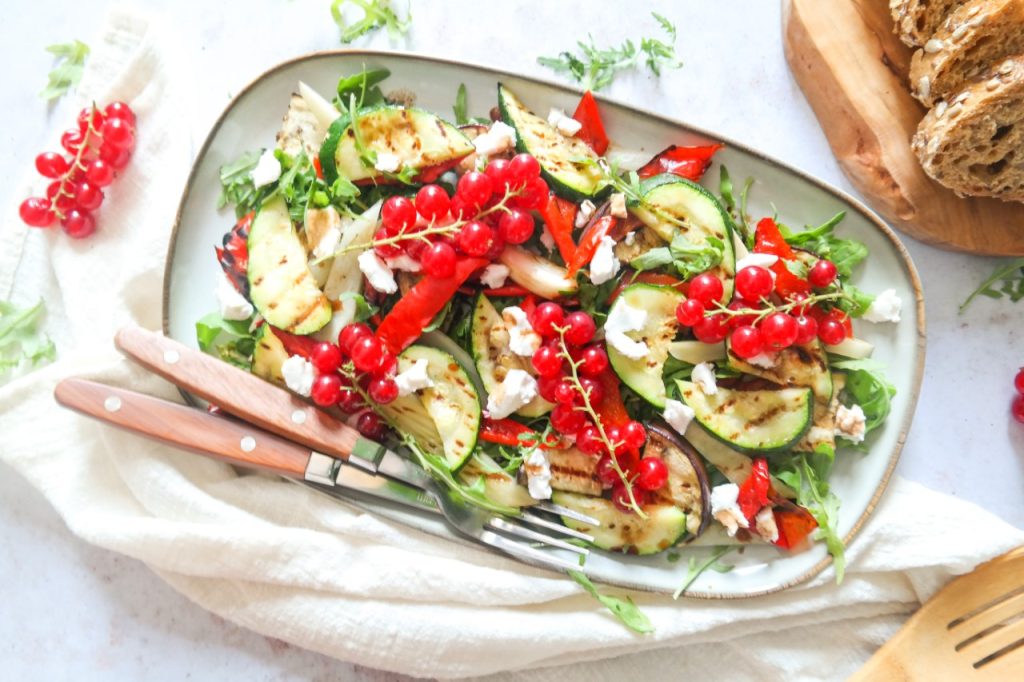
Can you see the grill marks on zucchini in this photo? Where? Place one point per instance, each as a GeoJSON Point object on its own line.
{"type": "Point", "coordinates": [664, 527]}
{"type": "Point", "coordinates": [268, 355]}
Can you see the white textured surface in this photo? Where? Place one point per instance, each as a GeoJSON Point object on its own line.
{"type": "Point", "coordinates": [111, 618]}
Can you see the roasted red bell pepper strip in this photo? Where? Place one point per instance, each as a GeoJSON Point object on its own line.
{"type": "Point", "coordinates": [794, 523]}
{"type": "Point", "coordinates": [317, 168]}
{"type": "Point", "coordinates": [753, 495]}
{"type": "Point", "coordinates": [560, 217]}
{"type": "Point", "coordinates": [589, 242]}
{"type": "Point", "coordinates": [295, 344]}
{"type": "Point", "coordinates": [511, 432]}
{"type": "Point", "coordinates": [686, 162]}
{"type": "Point", "coordinates": [592, 130]}
{"type": "Point", "coordinates": [647, 278]}
{"type": "Point", "coordinates": [612, 410]}
{"type": "Point", "coordinates": [508, 291]}
{"type": "Point", "coordinates": [414, 311]}
{"type": "Point", "coordinates": [768, 239]}
{"type": "Point", "coordinates": [233, 256]}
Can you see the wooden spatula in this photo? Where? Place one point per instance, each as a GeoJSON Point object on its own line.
{"type": "Point", "coordinates": [973, 629]}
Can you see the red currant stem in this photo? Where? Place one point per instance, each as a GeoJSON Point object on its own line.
{"type": "Point", "coordinates": [761, 313]}
{"type": "Point", "coordinates": [75, 165]}
{"type": "Point", "coordinates": [589, 409]}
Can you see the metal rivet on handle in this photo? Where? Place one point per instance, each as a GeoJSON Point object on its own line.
{"type": "Point", "coordinates": [299, 416]}
{"type": "Point", "coordinates": [112, 404]}
{"type": "Point", "coordinates": [171, 356]}
{"type": "Point", "coordinates": [248, 444]}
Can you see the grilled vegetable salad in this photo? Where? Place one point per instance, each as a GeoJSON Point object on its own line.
{"type": "Point", "coordinates": [534, 322]}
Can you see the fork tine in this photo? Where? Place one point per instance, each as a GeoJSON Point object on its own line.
{"type": "Point", "coordinates": [498, 523]}
{"type": "Point", "coordinates": [565, 511]}
{"type": "Point", "coordinates": [535, 520]}
{"type": "Point", "coordinates": [526, 553]}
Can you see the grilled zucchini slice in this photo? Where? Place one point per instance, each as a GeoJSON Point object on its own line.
{"type": "Point", "coordinates": [499, 486]}
{"type": "Point", "coordinates": [619, 531]}
{"type": "Point", "coordinates": [268, 355]}
{"type": "Point", "coordinates": [803, 366]}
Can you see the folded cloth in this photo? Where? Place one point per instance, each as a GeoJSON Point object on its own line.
{"type": "Point", "coordinates": [279, 559]}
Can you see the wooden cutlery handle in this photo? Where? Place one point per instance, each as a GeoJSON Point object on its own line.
{"type": "Point", "coordinates": [238, 393]}
{"type": "Point", "coordinates": [184, 427]}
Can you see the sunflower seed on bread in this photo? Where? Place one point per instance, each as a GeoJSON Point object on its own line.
{"type": "Point", "coordinates": [975, 145]}
{"type": "Point", "coordinates": [917, 20]}
{"type": "Point", "coordinates": [973, 37]}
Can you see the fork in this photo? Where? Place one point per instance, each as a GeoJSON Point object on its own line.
{"type": "Point", "coordinates": [332, 444]}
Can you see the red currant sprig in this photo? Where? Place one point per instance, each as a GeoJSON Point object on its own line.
{"type": "Point", "coordinates": [1017, 406]}
{"type": "Point", "coordinates": [100, 145]}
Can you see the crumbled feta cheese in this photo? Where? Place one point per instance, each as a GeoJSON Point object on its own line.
{"type": "Point", "coordinates": [625, 318]}
{"type": "Point", "coordinates": [587, 209]}
{"type": "Point", "coordinates": [517, 390]}
{"type": "Point", "coordinates": [851, 423]}
{"type": "Point", "coordinates": [566, 125]}
{"type": "Point", "coordinates": [547, 239]}
{"type": "Point", "coordinates": [763, 260]}
{"type": "Point", "coordinates": [764, 360]}
{"type": "Point", "coordinates": [233, 306]}
{"type": "Point", "coordinates": [725, 510]}
{"type": "Point", "coordinates": [494, 275]}
{"type": "Point", "coordinates": [499, 138]}
{"type": "Point", "coordinates": [630, 238]}
{"type": "Point", "coordinates": [414, 378]}
{"type": "Point", "coordinates": [405, 262]}
{"type": "Point", "coordinates": [604, 264]}
{"type": "Point", "coordinates": [617, 205]}
{"type": "Point", "coordinates": [267, 170]}
{"type": "Point", "coordinates": [885, 308]}
{"type": "Point", "coordinates": [387, 162]}
{"type": "Point", "coordinates": [704, 376]}
{"type": "Point", "coordinates": [377, 272]}
{"type": "Point", "coordinates": [328, 243]}
{"type": "Point", "coordinates": [538, 475]}
{"type": "Point", "coordinates": [764, 524]}
{"type": "Point", "coordinates": [298, 374]}
{"type": "Point", "coordinates": [522, 339]}
{"type": "Point", "coordinates": [678, 415]}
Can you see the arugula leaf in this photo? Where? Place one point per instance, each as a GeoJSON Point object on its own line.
{"type": "Point", "coordinates": [236, 185]}
{"type": "Point", "coordinates": [654, 258]}
{"type": "Point", "coordinates": [696, 569]}
{"type": "Point", "coordinates": [687, 258]}
{"type": "Point", "coordinates": [814, 494]}
{"type": "Point", "coordinates": [230, 340]}
{"type": "Point", "coordinates": [365, 85]}
{"type": "Point", "coordinates": [68, 71]}
{"type": "Point", "coordinates": [868, 388]}
{"type": "Point", "coordinates": [596, 68]}
{"type": "Point", "coordinates": [593, 297]}
{"type": "Point", "coordinates": [1005, 280]}
{"type": "Point", "coordinates": [461, 117]}
{"type": "Point", "coordinates": [623, 609]}
{"type": "Point", "coordinates": [364, 309]}
{"type": "Point", "coordinates": [858, 302]}
{"type": "Point", "coordinates": [21, 340]}
{"type": "Point", "coordinates": [376, 14]}
{"type": "Point", "coordinates": [845, 253]}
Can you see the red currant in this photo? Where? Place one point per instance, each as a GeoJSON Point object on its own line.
{"type": "Point", "coordinates": [779, 331]}
{"type": "Point", "coordinates": [78, 224]}
{"type": "Point", "coordinates": [475, 188]}
{"type": "Point", "coordinates": [711, 329]}
{"type": "Point", "coordinates": [546, 317]}
{"type": "Point", "coordinates": [589, 440]}
{"type": "Point", "coordinates": [546, 386]}
{"type": "Point", "coordinates": [350, 401]}
{"type": "Point", "coordinates": [1018, 381]}
{"type": "Point", "coordinates": [831, 331]}
{"type": "Point", "coordinates": [398, 215]}
{"type": "Point", "coordinates": [593, 389]}
{"type": "Point", "coordinates": [118, 133]}
{"type": "Point", "coordinates": [388, 249]}
{"type": "Point", "coordinates": [99, 173]}
{"type": "Point", "coordinates": [806, 329]}
{"type": "Point", "coordinates": [460, 210]}
{"type": "Point", "coordinates": [566, 394]}
{"type": "Point", "coordinates": [1017, 408]}
{"type": "Point", "coordinates": [62, 201]}
{"type": "Point", "coordinates": [522, 168]}
{"type": "Point", "coordinates": [822, 274]}
{"type": "Point", "coordinates": [706, 288]}
{"type": "Point", "coordinates": [432, 202]}
{"type": "Point", "coordinates": [735, 321]}
{"type": "Point", "coordinates": [370, 425]}
{"type": "Point", "coordinates": [71, 140]}
{"type": "Point", "coordinates": [754, 283]}
{"type": "Point", "coordinates": [798, 297]}
{"type": "Point", "coordinates": [497, 246]}
{"type": "Point", "coordinates": [388, 366]}
{"type": "Point", "coordinates": [690, 312]}
{"type": "Point", "coordinates": [516, 226]}
{"type": "Point", "coordinates": [605, 469]}
{"type": "Point", "coordinates": [634, 433]}
{"type": "Point", "coordinates": [620, 497]}
{"type": "Point", "coordinates": [652, 474]}
{"type": "Point", "coordinates": [83, 119]}
{"type": "Point", "coordinates": [367, 353]}
{"type": "Point", "coordinates": [566, 419]}
{"type": "Point", "coordinates": [88, 196]}
{"type": "Point", "coordinates": [326, 357]}
{"type": "Point", "coordinates": [438, 260]}
{"type": "Point", "coordinates": [351, 333]}
{"type": "Point", "coordinates": [383, 390]}
{"type": "Point", "coordinates": [115, 156]}
{"type": "Point", "coordinates": [36, 212]}
{"type": "Point", "coordinates": [475, 238]}
{"type": "Point", "coordinates": [534, 195]}
{"type": "Point", "coordinates": [497, 171]}
{"type": "Point", "coordinates": [120, 110]}
{"type": "Point", "coordinates": [581, 328]}
{"type": "Point", "coordinates": [326, 388]}
{"type": "Point", "coordinates": [547, 362]}
{"type": "Point", "coordinates": [51, 165]}
{"type": "Point", "coordinates": [746, 341]}
{"type": "Point", "coordinates": [594, 359]}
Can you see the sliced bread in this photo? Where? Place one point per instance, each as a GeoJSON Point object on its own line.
{"type": "Point", "coordinates": [976, 36]}
{"type": "Point", "coordinates": [917, 20]}
{"type": "Point", "coordinates": [974, 144]}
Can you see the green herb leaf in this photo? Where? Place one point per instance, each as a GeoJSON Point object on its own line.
{"type": "Point", "coordinates": [624, 609]}
{"type": "Point", "coordinates": [376, 14]}
{"type": "Point", "coordinates": [695, 568]}
{"type": "Point", "coordinates": [69, 68]}
{"type": "Point", "coordinates": [364, 85]}
{"type": "Point", "coordinates": [845, 253]}
{"type": "Point", "coordinates": [692, 259]}
{"type": "Point", "coordinates": [814, 494]}
{"type": "Point", "coordinates": [21, 340]}
{"type": "Point", "coordinates": [461, 117]}
{"type": "Point", "coordinates": [867, 387]}
{"type": "Point", "coordinates": [364, 310]}
{"type": "Point", "coordinates": [230, 340]}
{"type": "Point", "coordinates": [1005, 280]}
{"type": "Point", "coordinates": [725, 189]}
{"type": "Point", "coordinates": [236, 185]}
{"type": "Point", "coordinates": [858, 302]}
{"type": "Point", "coordinates": [650, 260]}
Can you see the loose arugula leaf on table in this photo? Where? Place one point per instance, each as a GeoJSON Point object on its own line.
{"type": "Point", "coordinates": [623, 609]}
{"type": "Point", "coordinates": [68, 71]}
{"type": "Point", "coordinates": [807, 474]}
{"type": "Point", "coordinates": [230, 340]}
{"type": "Point", "coordinates": [376, 14]}
{"type": "Point", "coordinates": [844, 253]}
{"type": "Point", "coordinates": [1006, 280]}
{"type": "Point", "coordinates": [868, 388]}
{"type": "Point", "coordinates": [21, 340]}
{"type": "Point", "coordinates": [596, 68]}
{"type": "Point", "coordinates": [696, 569]}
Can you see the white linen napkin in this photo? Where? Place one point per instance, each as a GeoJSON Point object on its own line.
{"type": "Point", "coordinates": [288, 563]}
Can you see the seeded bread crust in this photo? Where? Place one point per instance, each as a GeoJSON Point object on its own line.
{"type": "Point", "coordinates": [917, 20]}
{"type": "Point", "coordinates": [974, 144]}
{"type": "Point", "coordinates": [976, 36]}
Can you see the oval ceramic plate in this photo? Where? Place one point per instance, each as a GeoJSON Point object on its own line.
{"type": "Point", "coordinates": [252, 120]}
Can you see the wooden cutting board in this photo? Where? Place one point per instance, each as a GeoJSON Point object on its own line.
{"type": "Point", "coordinates": [853, 70]}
